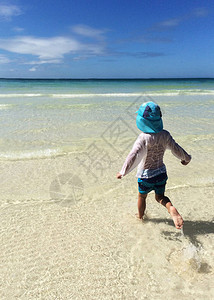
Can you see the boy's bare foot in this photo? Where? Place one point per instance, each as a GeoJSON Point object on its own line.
{"type": "Point", "coordinates": [138, 217]}
{"type": "Point", "coordinates": [177, 219]}
{"type": "Point", "coordinates": [143, 218]}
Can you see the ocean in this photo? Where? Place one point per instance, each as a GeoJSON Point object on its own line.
{"type": "Point", "coordinates": [43, 117]}
{"type": "Point", "coordinates": [68, 226]}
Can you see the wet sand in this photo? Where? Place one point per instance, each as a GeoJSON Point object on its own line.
{"type": "Point", "coordinates": [69, 236]}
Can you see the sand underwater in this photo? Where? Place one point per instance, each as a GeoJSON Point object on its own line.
{"type": "Point", "coordinates": [68, 227]}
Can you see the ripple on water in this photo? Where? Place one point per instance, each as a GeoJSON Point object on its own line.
{"type": "Point", "coordinates": [188, 261]}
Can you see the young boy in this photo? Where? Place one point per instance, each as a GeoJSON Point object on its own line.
{"type": "Point", "coordinates": [147, 153]}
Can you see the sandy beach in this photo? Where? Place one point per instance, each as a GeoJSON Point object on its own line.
{"type": "Point", "coordinates": [87, 244]}
{"type": "Point", "coordinates": [68, 226]}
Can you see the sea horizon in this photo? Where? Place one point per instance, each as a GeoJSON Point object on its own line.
{"type": "Point", "coordinates": [108, 78]}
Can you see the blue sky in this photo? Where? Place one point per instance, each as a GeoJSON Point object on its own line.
{"type": "Point", "coordinates": [106, 39]}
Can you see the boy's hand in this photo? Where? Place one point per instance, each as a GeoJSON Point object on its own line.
{"type": "Point", "coordinates": [184, 162]}
{"type": "Point", "coordinates": [119, 176]}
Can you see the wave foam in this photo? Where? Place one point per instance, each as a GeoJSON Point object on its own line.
{"type": "Point", "coordinates": [37, 154]}
{"type": "Point", "coordinates": [107, 95]}
{"type": "Point", "coordinates": [6, 106]}
{"type": "Point", "coordinates": [21, 95]}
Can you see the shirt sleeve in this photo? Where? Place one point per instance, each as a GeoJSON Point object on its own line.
{"type": "Point", "coordinates": [134, 157]}
{"type": "Point", "coordinates": [177, 150]}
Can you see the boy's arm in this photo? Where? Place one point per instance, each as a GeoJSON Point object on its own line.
{"type": "Point", "coordinates": [178, 151]}
{"type": "Point", "coordinates": [133, 158]}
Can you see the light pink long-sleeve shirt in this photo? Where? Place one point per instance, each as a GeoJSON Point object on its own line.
{"type": "Point", "coordinates": [148, 151]}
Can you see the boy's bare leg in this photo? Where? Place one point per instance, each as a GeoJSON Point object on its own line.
{"type": "Point", "coordinates": [177, 219]}
{"type": "Point", "coordinates": [141, 205]}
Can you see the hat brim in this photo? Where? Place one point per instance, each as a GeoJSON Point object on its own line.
{"type": "Point", "coordinates": [149, 126]}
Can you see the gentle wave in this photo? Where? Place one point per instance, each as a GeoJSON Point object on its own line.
{"type": "Point", "coordinates": [6, 106]}
{"type": "Point", "coordinates": [91, 95]}
{"type": "Point", "coordinates": [159, 93]}
{"type": "Point", "coordinates": [21, 95]}
{"type": "Point", "coordinates": [37, 154]}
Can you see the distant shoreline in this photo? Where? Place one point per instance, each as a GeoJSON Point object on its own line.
{"type": "Point", "coordinates": [111, 79]}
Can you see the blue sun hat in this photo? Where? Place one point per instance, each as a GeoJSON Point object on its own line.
{"type": "Point", "coordinates": [149, 118]}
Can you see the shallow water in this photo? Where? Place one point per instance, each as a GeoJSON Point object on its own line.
{"type": "Point", "coordinates": [68, 227]}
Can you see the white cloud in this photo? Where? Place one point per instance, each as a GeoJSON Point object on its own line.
{"type": "Point", "coordinates": [170, 23]}
{"type": "Point", "coordinates": [81, 57]}
{"type": "Point", "coordinates": [166, 25]}
{"type": "Point", "coordinates": [4, 59]}
{"type": "Point", "coordinates": [49, 48]}
{"type": "Point", "coordinates": [42, 62]}
{"type": "Point", "coordinates": [33, 69]}
{"type": "Point", "coordinates": [200, 12]}
{"type": "Point", "coordinates": [8, 11]}
{"type": "Point", "coordinates": [18, 29]}
{"type": "Point", "coordinates": [174, 22]}
{"type": "Point", "coordinates": [88, 31]}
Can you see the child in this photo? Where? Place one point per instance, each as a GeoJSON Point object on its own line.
{"type": "Point", "coordinates": [147, 152]}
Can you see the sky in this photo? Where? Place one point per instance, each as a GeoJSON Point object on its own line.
{"type": "Point", "coordinates": [106, 38]}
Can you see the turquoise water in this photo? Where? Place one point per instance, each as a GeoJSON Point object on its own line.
{"type": "Point", "coordinates": [103, 85]}
{"type": "Point", "coordinates": [53, 117]}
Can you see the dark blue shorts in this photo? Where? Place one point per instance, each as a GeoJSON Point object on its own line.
{"type": "Point", "coordinates": [156, 183]}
